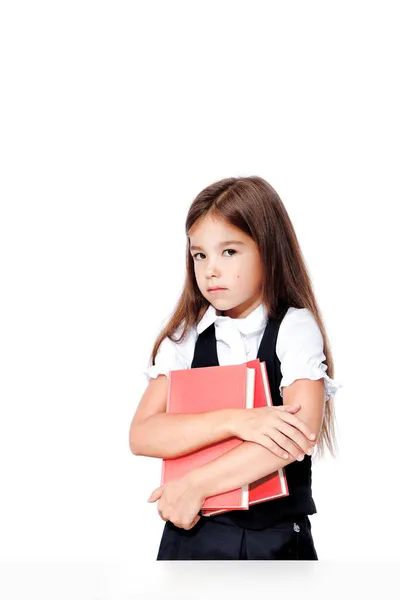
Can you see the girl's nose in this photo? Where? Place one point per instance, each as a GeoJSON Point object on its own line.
{"type": "Point", "coordinates": [212, 269]}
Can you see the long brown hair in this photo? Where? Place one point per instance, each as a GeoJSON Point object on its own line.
{"type": "Point", "coordinates": [253, 206]}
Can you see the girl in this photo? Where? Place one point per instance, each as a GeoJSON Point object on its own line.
{"type": "Point", "coordinates": [247, 295]}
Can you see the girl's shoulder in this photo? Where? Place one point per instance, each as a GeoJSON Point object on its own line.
{"type": "Point", "coordinates": [173, 354]}
{"type": "Point", "coordinates": [299, 333]}
{"type": "Point", "coordinates": [300, 349]}
{"type": "Point", "coordinates": [301, 320]}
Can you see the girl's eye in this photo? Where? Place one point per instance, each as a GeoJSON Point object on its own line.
{"type": "Point", "coordinates": [227, 250]}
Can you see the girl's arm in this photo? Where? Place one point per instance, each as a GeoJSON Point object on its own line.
{"type": "Point", "coordinates": [155, 433]}
{"type": "Point", "coordinates": [249, 462]}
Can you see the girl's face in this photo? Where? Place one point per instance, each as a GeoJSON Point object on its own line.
{"type": "Point", "coordinates": [225, 257]}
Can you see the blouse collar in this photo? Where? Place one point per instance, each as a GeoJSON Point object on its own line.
{"type": "Point", "coordinates": [254, 322]}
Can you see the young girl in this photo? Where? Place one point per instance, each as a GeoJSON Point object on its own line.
{"type": "Point", "coordinates": [247, 295]}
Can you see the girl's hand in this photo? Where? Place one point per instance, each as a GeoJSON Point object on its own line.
{"type": "Point", "coordinates": [179, 501]}
{"type": "Point", "coordinates": [277, 429]}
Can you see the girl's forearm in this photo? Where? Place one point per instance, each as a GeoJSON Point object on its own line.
{"type": "Point", "coordinates": [166, 435]}
{"type": "Point", "coordinates": [251, 461]}
{"type": "Point", "coordinates": [240, 466]}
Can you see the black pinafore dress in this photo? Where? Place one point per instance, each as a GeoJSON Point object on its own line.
{"type": "Point", "coordinates": [275, 530]}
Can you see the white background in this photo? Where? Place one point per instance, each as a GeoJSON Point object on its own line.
{"type": "Point", "coordinates": [114, 116]}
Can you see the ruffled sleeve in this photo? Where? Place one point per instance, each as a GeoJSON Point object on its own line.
{"type": "Point", "coordinates": [168, 358]}
{"type": "Point", "coordinates": [300, 350]}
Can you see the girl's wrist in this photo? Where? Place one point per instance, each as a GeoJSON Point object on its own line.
{"type": "Point", "coordinates": [235, 420]}
{"type": "Point", "coordinates": [225, 422]}
{"type": "Point", "coordinates": [197, 483]}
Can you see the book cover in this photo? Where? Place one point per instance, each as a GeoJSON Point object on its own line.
{"type": "Point", "coordinates": [271, 486]}
{"type": "Point", "coordinates": [206, 389]}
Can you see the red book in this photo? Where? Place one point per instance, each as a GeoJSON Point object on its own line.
{"type": "Point", "coordinates": [274, 485]}
{"type": "Point", "coordinates": [206, 389]}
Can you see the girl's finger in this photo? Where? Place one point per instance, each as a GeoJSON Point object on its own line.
{"type": "Point", "coordinates": [294, 436]}
{"type": "Point", "coordinates": [270, 444]}
{"type": "Point", "coordinates": [288, 445]}
{"type": "Point", "coordinates": [299, 424]}
{"type": "Point", "coordinates": [156, 495]}
{"type": "Point", "coordinates": [195, 521]}
{"type": "Point", "coordinates": [288, 407]}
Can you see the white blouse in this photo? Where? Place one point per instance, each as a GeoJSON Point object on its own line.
{"type": "Point", "coordinates": [299, 345]}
